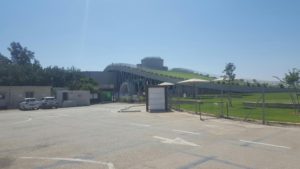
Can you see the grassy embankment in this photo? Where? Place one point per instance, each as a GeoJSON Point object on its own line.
{"type": "Point", "coordinates": [211, 106]}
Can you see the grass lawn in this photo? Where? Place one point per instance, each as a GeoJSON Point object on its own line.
{"type": "Point", "coordinates": [211, 106]}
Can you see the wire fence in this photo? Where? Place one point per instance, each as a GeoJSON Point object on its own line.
{"type": "Point", "coordinates": [263, 107]}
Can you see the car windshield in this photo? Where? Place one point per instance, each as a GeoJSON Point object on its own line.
{"type": "Point", "coordinates": [29, 100]}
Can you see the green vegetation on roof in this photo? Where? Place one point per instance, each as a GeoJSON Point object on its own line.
{"type": "Point", "coordinates": [179, 75]}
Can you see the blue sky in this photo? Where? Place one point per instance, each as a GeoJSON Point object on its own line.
{"type": "Point", "coordinates": [262, 37]}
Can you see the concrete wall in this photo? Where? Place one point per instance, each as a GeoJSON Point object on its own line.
{"type": "Point", "coordinates": [13, 95]}
{"type": "Point", "coordinates": [75, 98]}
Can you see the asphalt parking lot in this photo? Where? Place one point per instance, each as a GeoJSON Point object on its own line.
{"type": "Point", "coordinates": [100, 137]}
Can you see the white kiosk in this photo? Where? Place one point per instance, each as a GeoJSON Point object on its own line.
{"type": "Point", "coordinates": [156, 99]}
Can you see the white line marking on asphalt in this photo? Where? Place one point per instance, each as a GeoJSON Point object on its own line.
{"type": "Point", "coordinates": [188, 132]}
{"type": "Point", "coordinates": [212, 126]}
{"type": "Point", "coordinates": [108, 164]}
{"type": "Point", "coordinates": [25, 121]}
{"type": "Point", "coordinates": [177, 140]}
{"type": "Point", "coordinates": [264, 144]}
{"type": "Point", "coordinates": [57, 116]}
{"type": "Point", "coordinates": [140, 125]}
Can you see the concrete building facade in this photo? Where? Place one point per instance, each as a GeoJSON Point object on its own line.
{"type": "Point", "coordinates": [153, 63]}
{"type": "Point", "coordinates": [73, 98]}
{"type": "Point", "coordinates": [11, 96]}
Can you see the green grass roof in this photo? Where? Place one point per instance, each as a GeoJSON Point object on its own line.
{"type": "Point", "coordinates": [180, 75]}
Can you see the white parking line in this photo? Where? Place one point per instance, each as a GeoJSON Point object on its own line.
{"type": "Point", "coordinates": [177, 140]}
{"type": "Point", "coordinates": [264, 144]}
{"type": "Point", "coordinates": [57, 116]}
{"type": "Point", "coordinates": [211, 126]}
{"type": "Point", "coordinates": [109, 165]}
{"type": "Point", "coordinates": [140, 125]}
{"type": "Point", "coordinates": [187, 132]}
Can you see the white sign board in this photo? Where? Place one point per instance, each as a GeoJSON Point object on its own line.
{"type": "Point", "coordinates": [157, 98]}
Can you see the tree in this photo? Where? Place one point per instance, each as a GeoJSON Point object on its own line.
{"type": "Point", "coordinates": [20, 55]}
{"type": "Point", "coordinates": [281, 86]}
{"type": "Point", "coordinates": [292, 78]}
{"type": "Point", "coordinates": [4, 69]}
{"type": "Point", "coordinates": [229, 72]}
{"type": "Point", "coordinates": [85, 84]}
{"type": "Point", "coordinates": [229, 76]}
{"type": "Point", "coordinates": [4, 60]}
{"type": "Point", "coordinates": [255, 81]}
{"type": "Point", "coordinates": [24, 69]}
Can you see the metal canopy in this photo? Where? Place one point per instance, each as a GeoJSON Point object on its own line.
{"type": "Point", "coordinates": [193, 81]}
{"type": "Point", "coordinates": [218, 79]}
{"type": "Point", "coordinates": [166, 84]}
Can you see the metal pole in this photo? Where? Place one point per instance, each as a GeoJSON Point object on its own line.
{"type": "Point", "coordinates": [222, 102]}
{"type": "Point", "coordinates": [200, 112]}
{"type": "Point", "coordinates": [194, 91]}
{"type": "Point", "coordinates": [263, 107]}
{"type": "Point", "coordinates": [227, 109]}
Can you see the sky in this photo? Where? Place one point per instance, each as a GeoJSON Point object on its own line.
{"type": "Point", "coordinates": [261, 37]}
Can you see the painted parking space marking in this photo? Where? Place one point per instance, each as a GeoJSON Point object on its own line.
{"type": "Point", "coordinates": [187, 132]}
{"type": "Point", "coordinates": [178, 141]}
{"type": "Point", "coordinates": [140, 125]}
{"type": "Point", "coordinates": [211, 126]}
{"type": "Point", "coordinates": [57, 116]}
{"type": "Point", "coordinates": [264, 144]}
{"type": "Point", "coordinates": [108, 164]}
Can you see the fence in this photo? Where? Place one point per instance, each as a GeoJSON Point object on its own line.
{"type": "Point", "coordinates": [264, 107]}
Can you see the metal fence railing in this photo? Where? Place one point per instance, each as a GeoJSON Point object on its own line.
{"type": "Point", "coordinates": [264, 107]}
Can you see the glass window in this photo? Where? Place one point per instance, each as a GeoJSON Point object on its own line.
{"type": "Point", "coordinates": [29, 94]}
{"type": "Point", "coordinates": [65, 96]}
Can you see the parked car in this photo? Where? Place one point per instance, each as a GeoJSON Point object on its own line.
{"type": "Point", "coordinates": [48, 103]}
{"type": "Point", "coordinates": [30, 104]}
